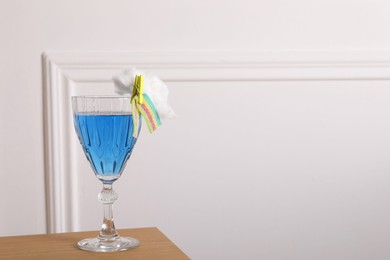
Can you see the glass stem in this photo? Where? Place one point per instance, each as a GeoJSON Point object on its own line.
{"type": "Point", "coordinates": [108, 196]}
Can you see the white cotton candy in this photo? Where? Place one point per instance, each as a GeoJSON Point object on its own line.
{"type": "Point", "coordinates": [153, 86]}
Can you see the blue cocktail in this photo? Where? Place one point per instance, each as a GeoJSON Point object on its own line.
{"type": "Point", "coordinates": [105, 129]}
{"type": "Point", "coordinates": [107, 141]}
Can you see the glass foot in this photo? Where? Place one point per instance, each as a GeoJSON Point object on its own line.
{"type": "Point", "coordinates": [98, 245]}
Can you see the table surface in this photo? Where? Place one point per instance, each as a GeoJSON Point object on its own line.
{"type": "Point", "coordinates": [154, 245]}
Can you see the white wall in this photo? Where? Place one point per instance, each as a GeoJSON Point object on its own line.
{"type": "Point", "coordinates": [354, 204]}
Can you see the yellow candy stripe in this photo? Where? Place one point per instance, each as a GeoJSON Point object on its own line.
{"type": "Point", "coordinates": [142, 105]}
{"type": "Point", "coordinates": [135, 111]}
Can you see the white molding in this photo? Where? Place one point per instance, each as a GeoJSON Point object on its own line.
{"type": "Point", "coordinates": [55, 201]}
{"type": "Point", "coordinates": [228, 66]}
{"type": "Point", "coordinates": [63, 69]}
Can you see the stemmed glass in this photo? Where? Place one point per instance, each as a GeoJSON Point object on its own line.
{"type": "Point", "coordinates": [104, 126]}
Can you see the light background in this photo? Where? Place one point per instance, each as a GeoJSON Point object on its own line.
{"type": "Point", "coordinates": [303, 175]}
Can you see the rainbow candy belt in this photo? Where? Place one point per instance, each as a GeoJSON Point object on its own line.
{"type": "Point", "coordinates": [141, 104]}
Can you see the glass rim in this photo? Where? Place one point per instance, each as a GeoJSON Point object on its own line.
{"type": "Point", "coordinates": [101, 96]}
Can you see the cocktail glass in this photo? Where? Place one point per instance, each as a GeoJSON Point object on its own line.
{"type": "Point", "coordinates": [104, 126]}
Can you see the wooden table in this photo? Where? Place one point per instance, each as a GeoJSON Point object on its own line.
{"type": "Point", "coordinates": [154, 245]}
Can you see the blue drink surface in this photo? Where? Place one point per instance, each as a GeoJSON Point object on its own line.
{"type": "Point", "coordinates": [107, 141]}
